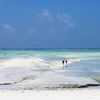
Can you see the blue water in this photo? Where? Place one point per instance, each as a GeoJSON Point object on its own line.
{"type": "Point", "coordinates": [89, 65]}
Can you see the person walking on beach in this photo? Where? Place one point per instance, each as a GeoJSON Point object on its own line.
{"type": "Point", "coordinates": [63, 62]}
{"type": "Point", "coordinates": [66, 61]}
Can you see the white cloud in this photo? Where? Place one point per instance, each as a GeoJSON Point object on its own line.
{"type": "Point", "coordinates": [66, 19]}
{"type": "Point", "coordinates": [45, 15]}
{"type": "Point", "coordinates": [7, 28]}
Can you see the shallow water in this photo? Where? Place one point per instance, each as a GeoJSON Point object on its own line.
{"type": "Point", "coordinates": [33, 68]}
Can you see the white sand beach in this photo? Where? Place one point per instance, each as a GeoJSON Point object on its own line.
{"type": "Point", "coordinates": [37, 73]}
{"type": "Point", "coordinates": [76, 94]}
{"type": "Point", "coordinates": [43, 78]}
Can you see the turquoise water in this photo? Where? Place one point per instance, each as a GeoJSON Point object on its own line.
{"type": "Point", "coordinates": [87, 67]}
{"type": "Point", "coordinates": [89, 64]}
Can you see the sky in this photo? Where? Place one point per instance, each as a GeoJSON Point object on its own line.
{"type": "Point", "coordinates": [50, 24]}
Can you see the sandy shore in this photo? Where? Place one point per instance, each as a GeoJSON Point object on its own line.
{"type": "Point", "coordinates": [70, 94]}
{"type": "Point", "coordinates": [36, 73]}
{"type": "Point", "coordinates": [23, 74]}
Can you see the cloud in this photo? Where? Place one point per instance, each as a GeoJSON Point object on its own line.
{"type": "Point", "coordinates": [7, 28]}
{"type": "Point", "coordinates": [45, 15]}
{"type": "Point", "coordinates": [66, 19]}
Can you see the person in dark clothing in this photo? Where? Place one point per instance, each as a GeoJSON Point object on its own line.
{"type": "Point", "coordinates": [66, 61]}
{"type": "Point", "coordinates": [63, 62]}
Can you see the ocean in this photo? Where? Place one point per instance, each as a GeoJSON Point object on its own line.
{"type": "Point", "coordinates": [43, 68]}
